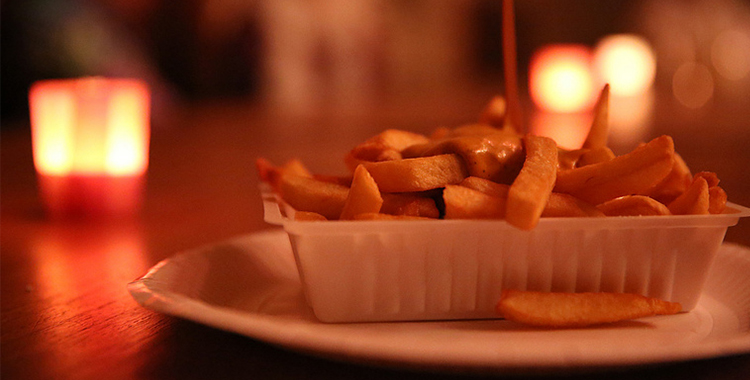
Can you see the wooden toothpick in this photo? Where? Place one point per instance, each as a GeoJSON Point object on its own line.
{"type": "Point", "coordinates": [514, 115]}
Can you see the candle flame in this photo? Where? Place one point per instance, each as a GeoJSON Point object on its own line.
{"type": "Point", "coordinates": [90, 126]}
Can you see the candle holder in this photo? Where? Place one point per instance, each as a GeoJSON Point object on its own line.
{"type": "Point", "coordinates": [90, 140]}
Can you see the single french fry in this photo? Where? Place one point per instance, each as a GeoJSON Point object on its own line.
{"type": "Point", "coordinates": [717, 200]}
{"type": "Point", "coordinates": [308, 216]}
{"type": "Point", "coordinates": [342, 180]}
{"type": "Point", "coordinates": [632, 173]}
{"type": "Point", "coordinates": [633, 205]}
{"type": "Point", "coordinates": [717, 197]}
{"type": "Point", "coordinates": [711, 178]}
{"type": "Point", "coordinates": [409, 204]}
{"type": "Point", "coordinates": [674, 184]}
{"type": "Point", "coordinates": [694, 201]}
{"type": "Point", "coordinates": [465, 203]}
{"type": "Point", "coordinates": [565, 310]}
{"type": "Point", "coordinates": [296, 167]}
{"type": "Point", "coordinates": [363, 197]}
{"type": "Point", "coordinates": [599, 132]}
{"type": "Point", "coordinates": [309, 194]}
{"type": "Point", "coordinates": [529, 193]}
{"type": "Point", "coordinates": [384, 146]}
{"type": "Point", "coordinates": [417, 174]}
{"type": "Point", "coordinates": [486, 186]}
{"type": "Point", "coordinates": [562, 205]}
{"type": "Point", "coordinates": [378, 216]}
{"type": "Point", "coordinates": [595, 156]}
{"type": "Point", "coordinates": [271, 174]}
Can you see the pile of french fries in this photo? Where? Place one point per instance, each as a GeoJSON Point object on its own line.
{"type": "Point", "coordinates": [488, 170]}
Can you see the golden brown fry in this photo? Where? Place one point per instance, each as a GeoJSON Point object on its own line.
{"type": "Point", "coordinates": [486, 186]}
{"type": "Point", "coordinates": [339, 180]}
{"type": "Point", "coordinates": [674, 184]}
{"type": "Point", "coordinates": [717, 200]}
{"type": "Point", "coordinates": [465, 203]}
{"type": "Point", "coordinates": [558, 205]}
{"type": "Point", "coordinates": [384, 146]}
{"type": "Point", "coordinates": [378, 216]}
{"type": "Point", "coordinates": [309, 194]}
{"type": "Point", "coordinates": [633, 205]}
{"type": "Point", "coordinates": [632, 173]}
{"type": "Point", "coordinates": [711, 178]}
{"type": "Point", "coordinates": [529, 193]}
{"type": "Point", "coordinates": [599, 132]}
{"type": "Point", "coordinates": [565, 205]}
{"type": "Point", "coordinates": [363, 197]}
{"type": "Point", "coordinates": [694, 201]}
{"type": "Point", "coordinates": [417, 174]}
{"type": "Point", "coordinates": [595, 156]}
{"type": "Point", "coordinates": [717, 197]}
{"type": "Point", "coordinates": [409, 205]}
{"type": "Point", "coordinates": [564, 310]}
{"type": "Point", "coordinates": [271, 174]}
{"type": "Point", "coordinates": [296, 167]}
{"type": "Point", "coordinates": [308, 216]}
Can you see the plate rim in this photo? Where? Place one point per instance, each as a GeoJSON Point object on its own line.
{"type": "Point", "coordinates": [301, 336]}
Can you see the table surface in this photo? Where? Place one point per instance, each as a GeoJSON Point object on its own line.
{"type": "Point", "coordinates": [65, 309]}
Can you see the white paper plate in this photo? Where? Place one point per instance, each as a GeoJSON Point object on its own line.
{"type": "Point", "coordinates": [250, 286]}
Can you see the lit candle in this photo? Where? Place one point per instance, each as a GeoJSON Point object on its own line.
{"type": "Point", "coordinates": [90, 143]}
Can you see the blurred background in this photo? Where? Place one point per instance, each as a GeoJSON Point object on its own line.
{"type": "Point", "coordinates": [302, 55]}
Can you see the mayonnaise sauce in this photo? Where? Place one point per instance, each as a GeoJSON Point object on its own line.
{"type": "Point", "coordinates": [489, 153]}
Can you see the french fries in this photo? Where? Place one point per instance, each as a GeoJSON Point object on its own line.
{"type": "Point", "coordinates": [529, 193]}
{"type": "Point", "coordinates": [465, 203]}
{"type": "Point", "coordinates": [363, 197]}
{"type": "Point", "coordinates": [567, 310]}
{"type": "Point", "coordinates": [487, 171]}
{"type": "Point", "coordinates": [417, 174]}
{"type": "Point", "coordinates": [632, 173]}
{"type": "Point", "coordinates": [309, 194]}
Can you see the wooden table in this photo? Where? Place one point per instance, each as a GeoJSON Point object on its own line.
{"type": "Point", "coordinates": [65, 309]}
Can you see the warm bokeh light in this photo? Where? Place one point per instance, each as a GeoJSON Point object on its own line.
{"type": "Point", "coordinates": [730, 54]}
{"type": "Point", "coordinates": [567, 129]}
{"type": "Point", "coordinates": [626, 62]}
{"type": "Point", "coordinates": [90, 126]}
{"type": "Point", "coordinates": [630, 119]}
{"type": "Point", "coordinates": [693, 84]}
{"type": "Point", "coordinates": [560, 78]}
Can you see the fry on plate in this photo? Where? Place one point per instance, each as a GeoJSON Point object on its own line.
{"type": "Point", "coordinates": [561, 310]}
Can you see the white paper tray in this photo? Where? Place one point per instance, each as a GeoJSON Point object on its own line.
{"type": "Point", "coordinates": [355, 271]}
